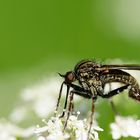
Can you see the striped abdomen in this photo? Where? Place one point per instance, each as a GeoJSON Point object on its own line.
{"type": "Point", "coordinates": [125, 78]}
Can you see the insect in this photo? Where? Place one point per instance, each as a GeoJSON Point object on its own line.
{"type": "Point", "coordinates": [92, 78]}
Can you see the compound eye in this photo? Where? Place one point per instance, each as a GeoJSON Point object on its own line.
{"type": "Point", "coordinates": [70, 77]}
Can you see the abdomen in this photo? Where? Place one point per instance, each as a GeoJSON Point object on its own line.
{"type": "Point", "coordinates": [125, 78]}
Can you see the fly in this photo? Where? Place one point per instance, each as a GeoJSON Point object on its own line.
{"type": "Point", "coordinates": [92, 78]}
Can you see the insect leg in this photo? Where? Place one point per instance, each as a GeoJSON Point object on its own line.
{"type": "Point", "coordinates": [69, 109]}
{"type": "Point", "coordinates": [65, 102]}
{"type": "Point", "coordinates": [114, 108]}
{"type": "Point", "coordinates": [58, 101]}
{"type": "Point", "coordinates": [76, 90]}
{"type": "Point", "coordinates": [112, 103]}
{"type": "Point", "coordinates": [114, 92]}
{"type": "Point", "coordinates": [80, 91]}
{"type": "Point", "coordinates": [82, 94]}
{"type": "Point", "coordinates": [72, 106]}
{"type": "Point", "coordinates": [91, 119]}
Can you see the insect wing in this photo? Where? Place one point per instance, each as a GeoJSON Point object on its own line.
{"type": "Point", "coordinates": [123, 67]}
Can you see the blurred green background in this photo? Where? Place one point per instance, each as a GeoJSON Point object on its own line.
{"type": "Point", "coordinates": [38, 38]}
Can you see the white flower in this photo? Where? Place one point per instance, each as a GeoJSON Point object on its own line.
{"type": "Point", "coordinates": [19, 114]}
{"type": "Point", "coordinates": [124, 127]}
{"type": "Point", "coordinates": [40, 99]}
{"type": "Point", "coordinates": [76, 129]}
{"type": "Point", "coordinates": [41, 138]}
{"type": "Point", "coordinates": [9, 131]}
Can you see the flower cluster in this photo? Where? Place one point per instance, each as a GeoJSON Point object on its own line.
{"type": "Point", "coordinates": [76, 129]}
{"type": "Point", "coordinates": [32, 101]}
{"type": "Point", "coordinates": [41, 101]}
{"type": "Point", "coordinates": [125, 127]}
{"type": "Point", "coordinates": [10, 131]}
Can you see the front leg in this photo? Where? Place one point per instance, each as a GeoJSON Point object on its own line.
{"type": "Point", "coordinates": [81, 91]}
{"type": "Point", "coordinates": [76, 90]}
{"type": "Point", "coordinates": [58, 100]}
{"type": "Point", "coordinates": [69, 108]}
{"type": "Point", "coordinates": [65, 106]}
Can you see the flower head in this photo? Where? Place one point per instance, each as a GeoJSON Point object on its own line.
{"type": "Point", "coordinates": [76, 129]}
{"type": "Point", "coordinates": [9, 131]}
{"type": "Point", "coordinates": [124, 127]}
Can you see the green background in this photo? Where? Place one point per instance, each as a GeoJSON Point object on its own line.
{"type": "Point", "coordinates": [38, 38]}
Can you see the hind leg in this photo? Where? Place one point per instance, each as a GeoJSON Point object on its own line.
{"type": "Point", "coordinates": [112, 103]}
